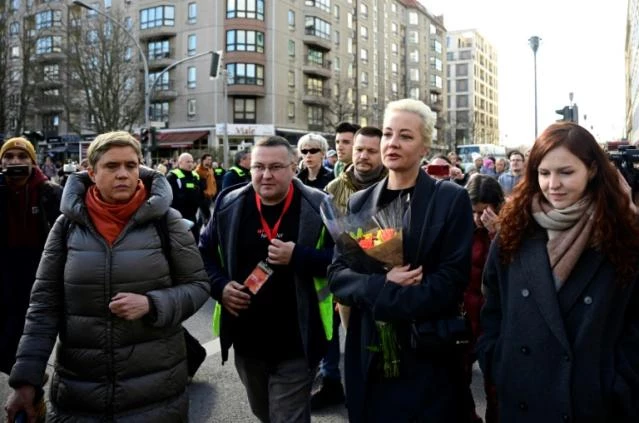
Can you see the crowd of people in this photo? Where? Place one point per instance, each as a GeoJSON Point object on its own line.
{"type": "Point", "coordinates": [527, 264]}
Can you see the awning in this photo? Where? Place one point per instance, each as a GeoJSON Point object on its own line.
{"type": "Point", "coordinates": [183, 139]}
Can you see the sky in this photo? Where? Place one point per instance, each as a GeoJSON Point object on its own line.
{"type": "Point", "coordinates": [581, 51]}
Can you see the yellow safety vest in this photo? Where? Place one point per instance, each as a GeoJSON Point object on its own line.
{"type": "Point", "coordinates": [180, 174]}
{"type": "Point", "coordinates": [324, 298]}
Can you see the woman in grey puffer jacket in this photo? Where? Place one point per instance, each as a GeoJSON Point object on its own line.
{"type": "Point", "coordinates": [115, 302]}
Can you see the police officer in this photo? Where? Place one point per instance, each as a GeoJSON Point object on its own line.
{"type": "Point", "coordinates": [239, 172]}
{"type": "Point", "coordinates": [188, 190]}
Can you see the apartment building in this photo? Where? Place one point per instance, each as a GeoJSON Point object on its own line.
{"type": "Point", "coordinates": [289, 66]}
{"type": "Point", "coordinates": [473, 95]}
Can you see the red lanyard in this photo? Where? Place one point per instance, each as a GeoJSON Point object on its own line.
{"type": "Point", "coordinates": [272, 232]}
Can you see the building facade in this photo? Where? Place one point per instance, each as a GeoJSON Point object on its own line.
{"type": "Point", "coordinates": [288, 67]}
{"type": "Point", "coordinates": [632, 72]}
{"type": "Point", "coordinates": [473, 95]}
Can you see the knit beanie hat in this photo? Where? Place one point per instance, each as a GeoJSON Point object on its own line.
{"type": "Point", "coordinates": [22, 144]}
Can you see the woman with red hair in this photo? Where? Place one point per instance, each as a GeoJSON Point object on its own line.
{"type": "Point", "coordinates": [561, 318]}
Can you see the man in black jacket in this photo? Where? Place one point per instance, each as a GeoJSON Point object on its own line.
{"type": "Point", "coordinates": [188, 191]}
{"type": "Point", "coordinates": [269, 236]}
{"type": "Point", "coordinates": [29, 204]}
{"type": "Point", "coordinates": [238, 173]}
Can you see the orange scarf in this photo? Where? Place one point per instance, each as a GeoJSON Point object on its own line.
{"type": "Point", "coordinates": [109, 219]}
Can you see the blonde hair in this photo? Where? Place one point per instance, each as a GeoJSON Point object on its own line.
{"type": "Point", "coordinates": [313, 140]}
{"type": "Point", "coordinates": [104, 142]}
{"type": "Point", "coordinates": [420, 109]}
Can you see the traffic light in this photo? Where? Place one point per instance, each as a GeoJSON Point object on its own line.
{"type": "Point", "coordinates": [216, 64]}
{"type": "Point", "coordinates": [144, 137]}
{"type": "Point", "coordinates": [569, 114]}
{"type": "Point", "coordinates": [566, 114]}
{"type": "Point", "coordinates": [154, 143]}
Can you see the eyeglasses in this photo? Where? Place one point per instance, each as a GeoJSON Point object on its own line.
{"type": "Point", "coordinates": [274, 168]}
{"type": "Point", "coordinates": [305, 151]}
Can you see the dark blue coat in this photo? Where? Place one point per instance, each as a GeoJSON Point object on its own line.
{"type": "Point", "coordinates": [567, 356]}
{"type": "Point", "coordinates": [428, 389]}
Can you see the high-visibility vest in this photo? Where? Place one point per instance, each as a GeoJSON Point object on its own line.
{"type": "Point", "coordinates": [181, 175]}
{"type": "Point", "coordinates": [218, 171]}
{"type": "Point", "coordinates": [324, 297]}
{"type": "Point", "coordinates": [239, 171]}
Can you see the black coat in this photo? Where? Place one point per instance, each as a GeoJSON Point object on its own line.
{"type": "Point", "coordinates": [571, 355]}
{"type": "Point", "coordinates": [428, 388]}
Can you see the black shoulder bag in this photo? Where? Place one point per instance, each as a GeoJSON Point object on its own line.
{"type": "Point", "coordinates": [441, 336]}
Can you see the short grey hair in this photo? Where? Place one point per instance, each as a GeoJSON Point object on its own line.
{"type": "Point", "coordinates": [104, 142]}
{"type": "Point", "coordinates": [420, 109]}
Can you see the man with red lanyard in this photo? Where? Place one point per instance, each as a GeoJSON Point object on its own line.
{"type": "Point", "coordinates": [266, 252]}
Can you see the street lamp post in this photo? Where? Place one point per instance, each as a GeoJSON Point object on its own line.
{"type": "Point", "coordinates": [534, 45]}
{"type": "Point", "coordinates": [147, 91]}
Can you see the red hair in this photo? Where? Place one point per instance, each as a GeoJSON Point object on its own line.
{"type": "Point", "coordinates": [615, 229]}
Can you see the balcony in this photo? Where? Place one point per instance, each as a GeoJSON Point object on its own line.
{"type": "Point", "coordinates": [243, 90]}
{"type": "Point", "coordinates": [164, 91]}
{"type": "Point", "coordinates": [316, 38]}
{"type": "Point", "coordinates": [50, 56]}
{"type": "Point", "coordinates": [157, 32]}
{"type": "Point", "coordinates": [435, 90]}
{"type": "Point", "coordinates": [317, 97]}
{"type": "Point", "coordinates": [50, 104]}
{"type": "Point", "coordinates": [323, 70]}
{"type": "Point", "coordinates": [47, 84]}
{"type": "Point", "coordinates": [159, 59]}
{"type": "Point", "coordinates": [437, 106]}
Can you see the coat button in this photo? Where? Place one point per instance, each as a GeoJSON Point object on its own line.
{"type": "Point", "coordinates": [525, 293]}
{"type": "Point", "coordinates": [523, 406]}
{"type": "Point", "coordinates": [566, 417]}
{"type": "Point", "coordinates": [525, 350]}
{"type": "Point", "coordinates": [588, 300]}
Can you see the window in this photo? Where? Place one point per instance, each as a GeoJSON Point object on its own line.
{"type": "Point", "coordinates": [15, 5]}
{"type": "Point", "coordinates": [191, 107]}
{"type": "Point", "coordinates": [243, 40]}
{"type": "Point", "coordinates": [363, 54]}
{"type": "Point", "coordinates": [244, 110]}
{"type": "Point", "coordinates": [364, 78]}
{"type": "Point", "coordinates": [436, 45]}
{"type": "Point", "coordinates": [413, 74]}
{"type": "Point", "coordinates": [413, 37]}
{"type": "Point", "coordinates": [394, 88]}
{"type": "Point", "coordinates": [315, 117]}
{"type": "Point", "coordinates": [291, 79]}
{"type": "Point", "coordinates": [191, 77]}
{"type": "Point", "coordinates": [414, 93]}
{"type": "Point", "coordinates": [364, 32]}
{"type": "Point", "coordinates": [291, 110]}
{"type": "Point", "coordinates": [336, 12]}
{"type": "Point", "coordinates": [246, 9]}
{"type": "Point", "coordinates": [159, 111]}
{"type": "Point", "coordinates": [349, 20]}
{"type": "Point", "coordinates": [291, 19]}
{"type": "Point", "coordinates": [464, 55]}
{"type": "Point", "coordinates": [14, 28]}
{"type": "Point", "coordinates": [363, 10]}
{"type": "Point", "coordinates": [436, 64]}
{"type": "Point", "coordinates": [336, 38]}
{"type": "Point", "coordinates": [91, 13]}
{"type": "Point", "coordinates": [414, 56]}
{"type": "Point", "coordinates": [317, 27]}
{"type": "Point", "coordinates": [462, 101]}
{"type": "Point", "coordinates": [315, 57]}
{"type": "Point", "coordinates": [128, 22]}
{"type": "Point", "coordinates": [394, 28]}
{"type": "Point", "coordinates": [336, 64]}
{"type": "Point", "coordinates": [163, 83]}
{"type": "Point", "coordinates": [324, 5]}
{"type": "Point", "coordinates": [413, 18]}
{"type": "Point", "coordinates": [291, 48]}
{"type": "Point", "coordinates": [315, 87]}
{"type": "Point", "coordinates": [363, 101]}
{"type": "Point", "coordinates": [107, 4]}
{"type": "Point", "coordinates": [394, 48]}
{"type": "Point", "coordinates": [15, 75]}
{"type": "Point", "coordinates": [192, 45]}
{"type": "Point", "coordinates": [51, 72]}
{"type": "Point", "coordinates": [15, 52]}
{"type": "Point", "coordinates": [50, 44]}
{"type": "Point", "coordinates": [245, 74]}
{"type": "Point", "coordinates": [157, 16]}
{"type": "Point", "coordinates": [394, 69]}
{"type": "Point", "coordinates": [159, 49]}
{"type": "Point", "coordinates": [192, 13]}
{"type": "Point", "coordinates": [462, 116]}
{"type": "Point", "coordinates": [48, 19]}
{"type": "Point", "coordinates": [462, 69]}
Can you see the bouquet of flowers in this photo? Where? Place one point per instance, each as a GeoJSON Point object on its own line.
{"type": "Point", "coordinates": [371, 243]}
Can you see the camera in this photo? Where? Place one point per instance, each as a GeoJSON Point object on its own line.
{"type": "Point", "coordinates": [626, 159]}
